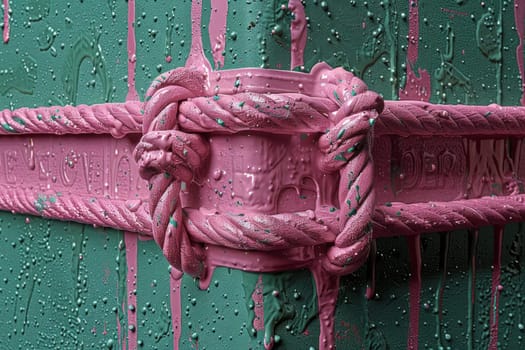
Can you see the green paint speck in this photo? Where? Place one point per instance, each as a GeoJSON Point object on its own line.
{"type": "Point", "coordinates": [340, 157]}
{"type": "Point", "coordinates": [341, 133]}
{"type": "Point", "coordinates": [220, 121]}
{"type": "Point", "coordinates": [19, 120]}
{"type": "Point", "coordinates": [8, 128]}
{"type": "Point", "coordinates": [336, 96]}
{"type": "Point", "coordinates": [216, 98]}
{"type": "Point", "coordinates": [174, 222]}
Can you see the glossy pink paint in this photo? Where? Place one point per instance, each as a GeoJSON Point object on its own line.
{"type": "Point", "coordinates": [258, 308]}
{"type": "Point", "coordinates": [416, 88]}
{"type": "Point", "coordinates": [496, 288]}
{"type": "Point", "coordinates": [217, 31]}
{"type": "Point", "coordinates": [130, 240]}
{"type": "Point", "coordinates": [175, 305]}
{"type": "Point", "coordinates": [414, 286]}
{"type": "Point", "coordinates": [196, 58]}
{"type": "Point", "coordinates": [519, 22]}
{"type": "Point", "coordinates": [132, 54]}
{"type": "Point", "coordinates": [298, 33]}
{"type": "Point", "coordinates": [6, 21]}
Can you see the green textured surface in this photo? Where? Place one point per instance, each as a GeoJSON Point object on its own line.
{"type": "Point", "coordinates": [63, 284]}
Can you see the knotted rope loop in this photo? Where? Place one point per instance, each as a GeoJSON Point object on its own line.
{"type": "Point", "coordinates": [345, 148]}
{"type": "Point", "coordinates": [181, 104]}
{"type": "Point", "coordinates": [167, 158]}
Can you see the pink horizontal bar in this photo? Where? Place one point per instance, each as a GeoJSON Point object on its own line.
{"type": "Point", "coordinates": [401, 118]}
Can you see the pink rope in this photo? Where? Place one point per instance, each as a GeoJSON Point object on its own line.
{"type": "Point", "coordinates": [419, 218]}
{"type": "Point", "coordinates": [414, 118]}
{"type": "Point", "coordinates": [168, 156]}
{"type": "Point", "coordinates": [118, 119]}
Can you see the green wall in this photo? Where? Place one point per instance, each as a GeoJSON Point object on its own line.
{"type": "Point", "coordinates": [67, 286]}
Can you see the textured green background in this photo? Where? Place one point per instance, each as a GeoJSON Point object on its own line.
{"type": "Point", "coordinates": [63, 285]}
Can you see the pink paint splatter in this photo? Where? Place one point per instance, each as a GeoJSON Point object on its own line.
{"type": "Point", "coordinates": [132, 53]}
{"type": "Point", "coordinates": [519, 21]}
{"type": "Point", "coordinates": [496, 288]}
{"type": "Point", "coordinates": [414, 290]}
{"type": "Point", "coordinates": [130, 240]}
{"type": "Point", "coordinates": [6, 21]}
{"type": "Point", "coordinates": [217, 31]}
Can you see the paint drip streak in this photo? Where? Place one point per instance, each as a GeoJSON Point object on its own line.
{"type": "Point", "coordinates": [496, 288]}
{"type": "Point", "coordinates": [130, 240]}
{"type": "Point", "coordinates": [132, 53]}
{"type": "Point", "coordinates": [438, 308]}
{"type": "Point", "coordinates": [217, 31]}
{"type": "Point", "coordinates": [371, 283]}
{"type": "Point", "coordinates": [414, 244]}
{"type": "Point", "coordinates": [175, 305]}
{"type": "Point", "coordinates": [413, 32]}
{"type": "Point", "coordinates": [473, 253]}
{"type": "Point", "coordinates": [6, 21]}
{"type": "Point", "coordinates": [327, 287]}
{"type": "Point", "coordinates": [519, 22]}
{"type": "Point", "coordinates": [298, 33]}
{"type": "Point", "coordinates": [196, 57]}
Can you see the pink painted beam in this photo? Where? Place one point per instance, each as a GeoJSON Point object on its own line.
{"type": "Point", "coordinates": [43, 186]}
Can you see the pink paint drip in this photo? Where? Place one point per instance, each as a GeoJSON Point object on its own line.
{"type": "Point", "coordinates": [519, 21]}
{"type": "Point", "coordinates": [371, 284]}
{"type": "Point", "coordinates": [414, 291]}
{"type": "Point", "coordinates": [496, 289]}
{"type": "Point", "coordinates": [258, 308]}
{"type": "Point", "coordinates": [416, 88]}
{"type": "Point", "coordinates": [132, 53]}
{"type": "Point", "coordinates": [6, 21]}
{"type": "Point", "coordinates": [130, 240]}
{"type": "Point", "coordinates": [327, 286]}
{"type": "Point", "coordinates": [196, 58]}
{"type": "Point", "coordinates": [217, 31]}
{"type": "Point", "coordinates": [298, 33]}
{"type": "Point", "coordinates": [175, 304]}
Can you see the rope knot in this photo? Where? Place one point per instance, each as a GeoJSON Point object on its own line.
{"type": "Point", "coordinates": [345, 148]}
{"type": "Point", "coordinates": [181, 107]}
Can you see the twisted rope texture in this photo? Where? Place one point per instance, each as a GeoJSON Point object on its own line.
{"type": "Point", "coordinates": [118, 119]}
{"type": "Point", "coordinates": [169, 155]}
{"type": "Point", "coordinates": [412, 118]}
{"type": "Point", "coordinates": [418, 218]}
